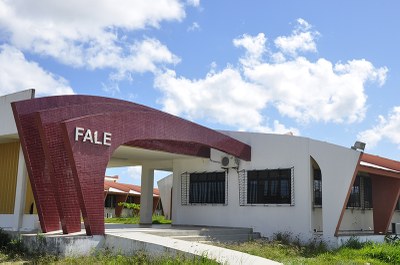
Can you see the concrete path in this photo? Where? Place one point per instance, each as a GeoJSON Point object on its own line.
{"type": "Point", "coordinates": [137, 238]}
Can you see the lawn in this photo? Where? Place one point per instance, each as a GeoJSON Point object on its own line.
{"type": "Point", "coordinates": [282, 248]}
{"type": "Point", "coordinates": [291, 252]}
{"type": "Point", "coordinates": [157, 219]}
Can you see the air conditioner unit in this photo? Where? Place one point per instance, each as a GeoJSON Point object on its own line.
{"type": "Point", "coordinates": [229, 162]}
{"type": "Point", "coordinates": [396, 228]}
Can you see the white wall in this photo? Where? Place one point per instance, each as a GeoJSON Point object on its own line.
{"type": "Point", "coordinates": [7, 118]}
{"type": "Point", "coordinates": [337, 166]}
{"type": "Point", "coordinates": [268, 151]}
{"type": "Point", "coordinates": [271, 152]}
{"type": "Point", "coordinates": [164, 186]}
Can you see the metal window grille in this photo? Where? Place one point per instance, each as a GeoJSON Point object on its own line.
{"type": "Point", "coordinates": [242, 187]}
{"type": "Point", "coordinates": [361, 193]}
{"type": "Point", "coordinates": [317, 183]}
{"type": "Point", "coordinates": [204, 188]}
{"type": "Point", "coordinates": [185, 188]}
{"type": "Point", "coordinates": [269, 186]}
{"type": "Point", "coordinates": [354, 199]}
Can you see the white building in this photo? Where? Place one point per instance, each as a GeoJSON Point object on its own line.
{"type": "Point", "coordinates": [292, 184]}
{"type": "Point", "coordinates": [283, 183]}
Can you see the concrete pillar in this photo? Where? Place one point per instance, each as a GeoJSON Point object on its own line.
{"type": "Point", "coordinates": [146, 197]}
{"type": "Point", "coordinates": [20, 192]}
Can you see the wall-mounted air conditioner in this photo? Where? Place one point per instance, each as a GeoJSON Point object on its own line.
{"type": "Point", "coordinates": [229, 162]}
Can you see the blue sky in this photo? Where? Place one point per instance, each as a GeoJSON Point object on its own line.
{"type": "Point", "coordinates": [329, 71]}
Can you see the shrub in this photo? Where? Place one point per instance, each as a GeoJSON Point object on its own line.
{"type": "Point", "coordinates": [4, 239]}
{"type": "Point", "coordinates": [283, 237]}
{"type": "Point", "coordinates": [354, 243]}
{"type": "Point", "coordinates": [135, 207]}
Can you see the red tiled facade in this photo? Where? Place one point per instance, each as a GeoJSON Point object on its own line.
{"type": "Point", "coordinates": [67, 176]}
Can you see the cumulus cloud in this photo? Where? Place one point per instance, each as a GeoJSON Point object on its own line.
{"type": "Point", "coordinates": [194, 3]}
{"type": "Point", "coordinates": [224, 97]}
{"type": "Point", "coordinates": [301, 40]}
{"type": "Point", "coordinates": [134, 173]}
{"type": "Point", "coordinates": [304, 90]}
{"type": "Point", "coordinates": [387, 128]}
{"type": "Point", "coordinates": [254, 46]}
{"type": "Point", "coordinates": [76, 34]}
{"type": "Point", "coordinates": [23, 74]}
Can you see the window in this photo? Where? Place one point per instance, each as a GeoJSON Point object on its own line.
{"type": "Point", "coordinates": [207, 187]}
{"type": "Point", "coordinates": [269, 186]}
{"type": "Point", "coordinates": [317, 187]}
{"type": "Point", "coordinates": [110, 201]}
{"type": "Point", "coordinates": [354, 199]}
{"type": "Point", "coordinates": [367, 192]}
{"type": "Point", "coordinates": [361, 193]}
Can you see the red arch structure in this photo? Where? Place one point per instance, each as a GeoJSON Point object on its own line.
{"type": "Point", "coordinates": [67, 173]}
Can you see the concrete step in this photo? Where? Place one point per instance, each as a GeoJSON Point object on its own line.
{"type": "Point", "coordinates": [201, 232]}
{"type": "Point", "coordinates": [220, 237]}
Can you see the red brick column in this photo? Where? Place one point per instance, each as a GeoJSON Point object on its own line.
{"type": "Point", "coordinates": [46, 129]}
{"type": "Point", "coordinates": [37, 167]}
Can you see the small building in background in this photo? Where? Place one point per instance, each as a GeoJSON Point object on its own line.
{"type": "Point", "coordinates": [116, 192]}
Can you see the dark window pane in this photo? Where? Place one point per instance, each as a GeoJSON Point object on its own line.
{"type": "Point", "coordinates": [269, 186]}
{"type": "Point", "coordinates": [207, 187]}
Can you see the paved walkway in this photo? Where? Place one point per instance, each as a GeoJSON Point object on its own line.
{"type": "Point", "coordinates": [135, 237]}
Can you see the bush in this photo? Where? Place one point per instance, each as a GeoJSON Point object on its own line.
{"type": "Point", "coordinates": [4, 239]}
{"type": "Point", "coordinates": [135, 207]}
{"type": "Point", "coordinates": [283, 237]}
{"type": "Point", "coordinates": [354, 243]}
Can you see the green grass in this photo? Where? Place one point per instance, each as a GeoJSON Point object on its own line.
{"type": "Point", "coordinates": [102, 258]}
{"type": "Point", "coordinates": [291, 252]}
{"type": "Point", "coordinates": [283, 249]}
{"type": "Point", "coordinates": [13, 252]}
{"type": "Point", "coordinates": [157, 219]}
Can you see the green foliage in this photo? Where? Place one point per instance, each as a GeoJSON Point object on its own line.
{"type": "Point", "coordinates": [4, 239]}
{"type": "Point", "coordinates": [354, 243]}
{"type": "Point", "coordinates": [287, 249]}
{"type": "Point", "coordinates": [135, 207]}
{"type": "Point", "coordinates": [157, 219]}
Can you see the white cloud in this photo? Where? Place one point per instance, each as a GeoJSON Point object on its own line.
{"type": "Point", "coordinates": [307, 91]}
{"type": "Point", "coordinates": [301, 40]}
{"type": "Point", "coordinates": [387, 128]}
{"type": "Point", "coordinates": [223, 97]}
{"type": "Point", "coordinates": [194, 27]}
{"type": "Point", "coordinates": [77, 34]}
{"type": "Point", "coordinates": [133, 173]}
{"type": "Point", "coordinates": [17, 73]}
{"type": "Point", "coordinates": [254, 46]}
{"type": "Point", "coordinates": [317, 91]}
{"type": "Point", "coordinates": [195, 3]}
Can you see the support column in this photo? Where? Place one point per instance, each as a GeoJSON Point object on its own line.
{"type": "Point", "coordinates": [146, 197]}
{"type": "Point", "coordinates": [20, 192]}
{"type": "Point", "coordinates": [385, 193]}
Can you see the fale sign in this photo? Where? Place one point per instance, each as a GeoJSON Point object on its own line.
{"type": "Point", "coordinates": [86, 135]}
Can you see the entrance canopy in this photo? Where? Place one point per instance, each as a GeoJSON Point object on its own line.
{"type": "Point", "coordinates": [68, 142]}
